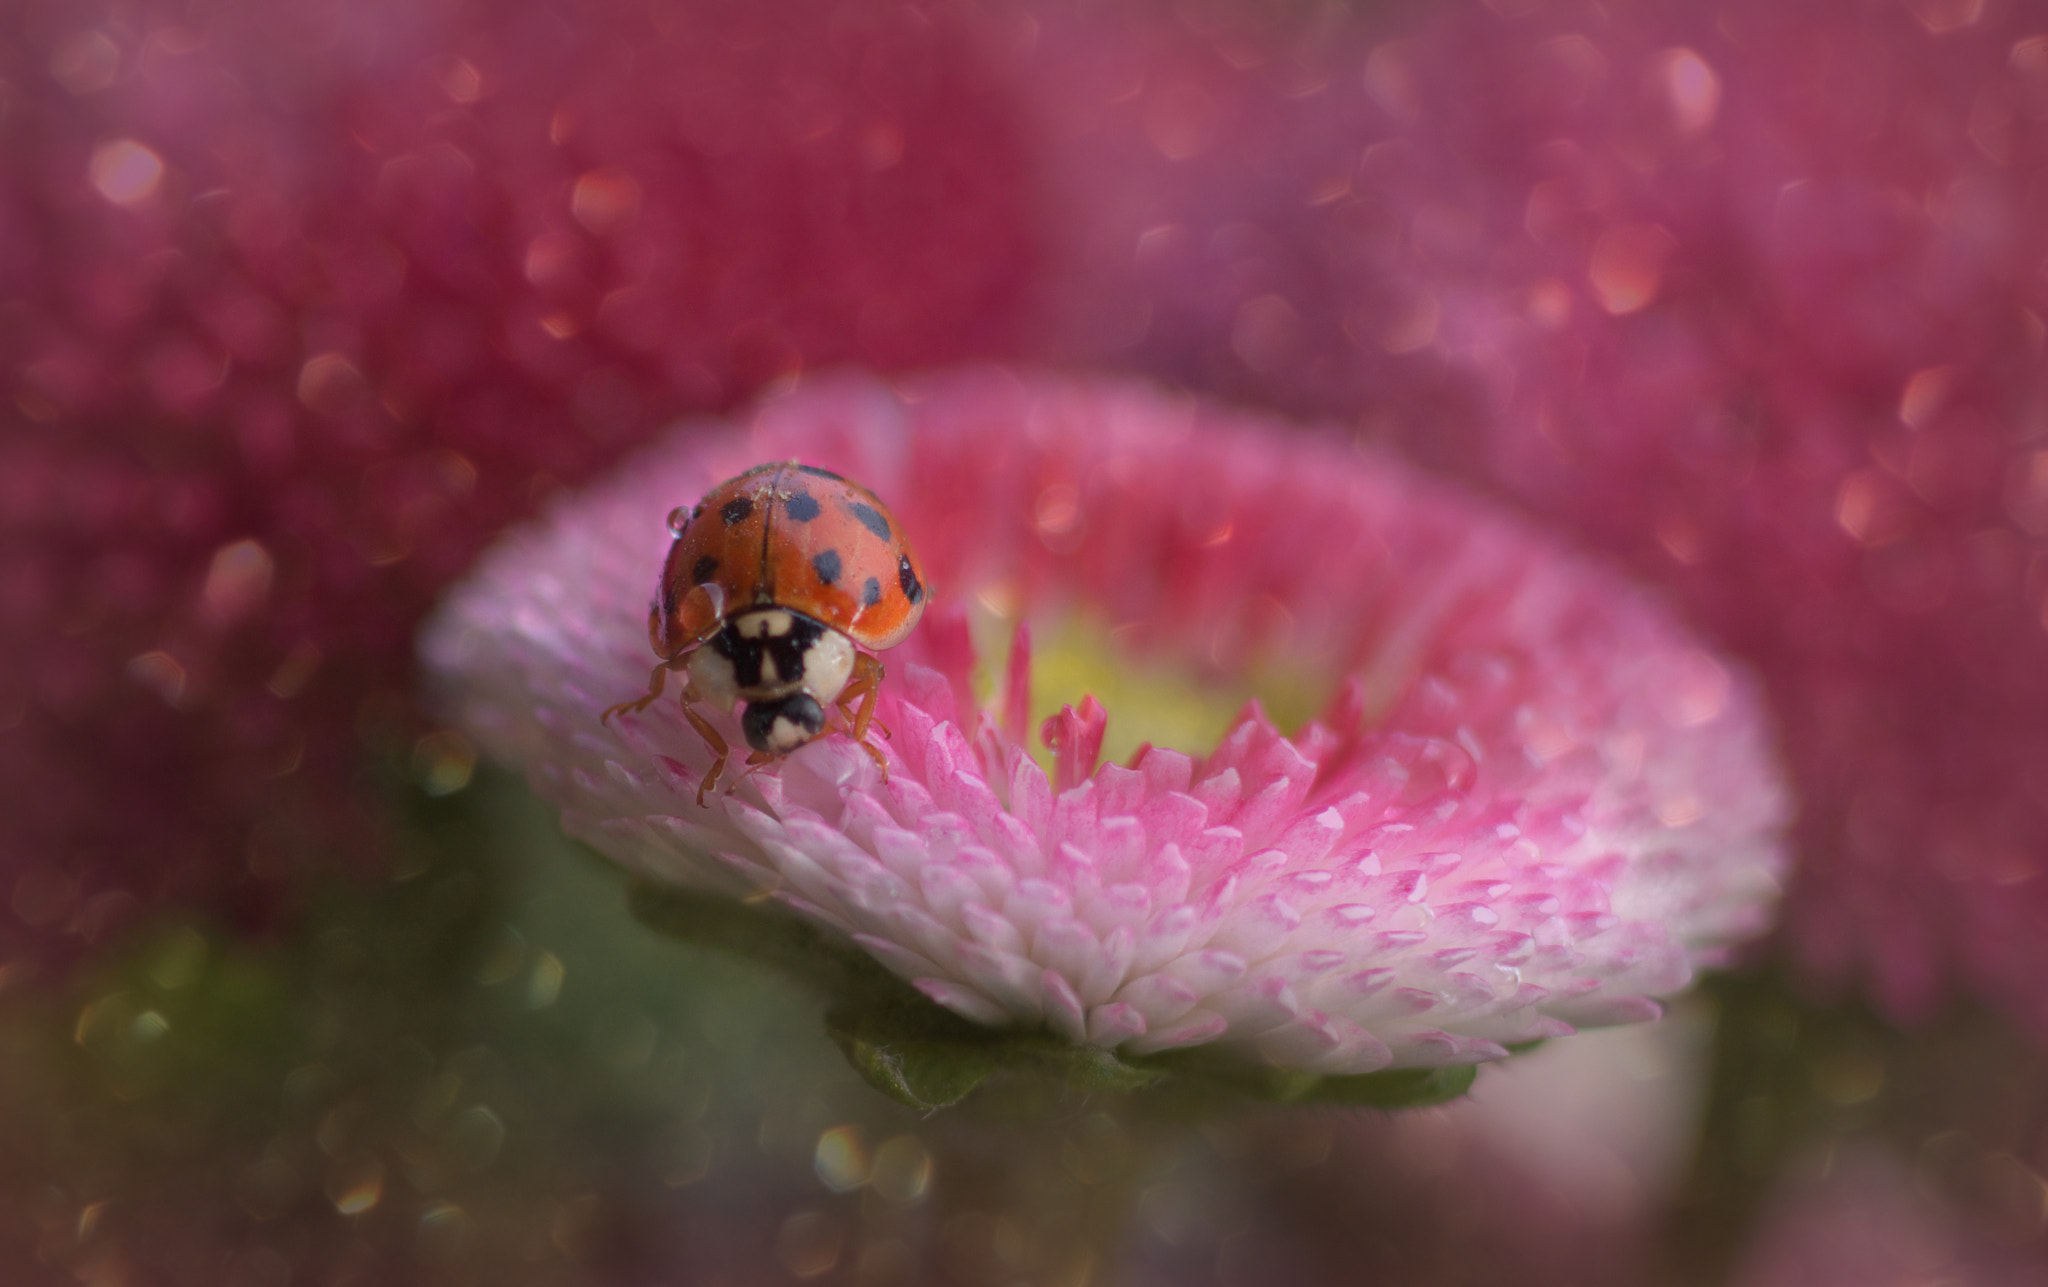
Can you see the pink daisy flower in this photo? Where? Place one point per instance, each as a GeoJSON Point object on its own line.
{"type": "Point", "coordinates": [1528, 803]}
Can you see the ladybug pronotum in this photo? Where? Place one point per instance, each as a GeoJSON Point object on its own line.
{"type": "Point", "coordinates": [775, 583]}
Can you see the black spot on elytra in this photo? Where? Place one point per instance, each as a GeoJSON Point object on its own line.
{"type": "Point", "coordinates": [870, 519]}
{"type": "Point", "coordinates": [871, 593]}
{"type": "Point", "coordinates": [736, 510]}
{"type": "Point", "coordinates": [701, 571]}
{"type": "Point", "coordinates": [826, 565]}
{"type": "Point", "coordinates": [908, 579]}
{"type": "Point", "coordinates": [816, 472]}
{"type": "Point", "coordinates": [801, 506]}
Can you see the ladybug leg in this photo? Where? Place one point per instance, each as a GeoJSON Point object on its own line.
{"type": "Point", "coordinates": [655, 683]}
{"type": "Point", "coordinates": [869, 669]}
{"type": "Point", "coordinates": [719, 749]}
{"type": "Point", "coordinates": [876, 756]}
{"type": "Point", "coordinates": [756, 761]}
{"type": "Point", "coordinates": [867, 685]}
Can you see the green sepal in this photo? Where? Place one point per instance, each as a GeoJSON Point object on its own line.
{"type": "Point", "coordinates": [1389, 1089]}
{"type": "Point", "coordinates": [1093, 1068]}
{"type": "Point", "coordinates": [918, 1074]}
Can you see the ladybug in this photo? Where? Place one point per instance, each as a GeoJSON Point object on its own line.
{"type": "Point", "coordinates": [773, 585]}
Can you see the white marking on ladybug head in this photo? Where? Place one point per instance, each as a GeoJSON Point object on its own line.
{"type": "Point", "coordinates": [770, 624]}
{"type": "Point", "coordinates": [785, 735]}
{"type": "Point", "coordinates": [779, 726]}
{"type": "Point", "coordinates": [828, 665]}
{"type": "Point", "coordinates": [713, 676]}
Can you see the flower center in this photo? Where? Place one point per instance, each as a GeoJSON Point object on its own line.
{"type": "Point", "coordinates": [1160, 699]}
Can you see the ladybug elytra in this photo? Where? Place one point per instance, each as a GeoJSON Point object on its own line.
{"type": "Point", "coordinates": [774, 584]}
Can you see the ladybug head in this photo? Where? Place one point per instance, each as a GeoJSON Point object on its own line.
{"type": "Point", "coordinates": [782, 724]}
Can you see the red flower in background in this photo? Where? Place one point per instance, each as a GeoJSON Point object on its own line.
{"type": "Point", "coordinates": [299, 305]}
{"type": "Point", "coordinates": [1750, 295]}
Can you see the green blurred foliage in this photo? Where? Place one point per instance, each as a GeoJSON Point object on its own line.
{"type": "Point", "coordinates": [504, 1063]}
{"type": "Point", "coordinates": [473, 1071]}
{"type": "Point", "coordinates": [1796, 1081]}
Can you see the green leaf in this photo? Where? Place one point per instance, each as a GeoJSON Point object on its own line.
{"type": "Point", "coordinates": [1093, 1068]}
{"type": "Point", "coordinates": [919, 1074]}
{"type": "Point", "coordinates": [1390, 1089]}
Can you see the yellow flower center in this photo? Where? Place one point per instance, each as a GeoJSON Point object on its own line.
{"type": "Point", "coordinates": [1158, 699]}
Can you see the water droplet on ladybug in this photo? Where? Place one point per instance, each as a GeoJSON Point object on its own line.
{"type": "Point", "coordinates": [702, 609]}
